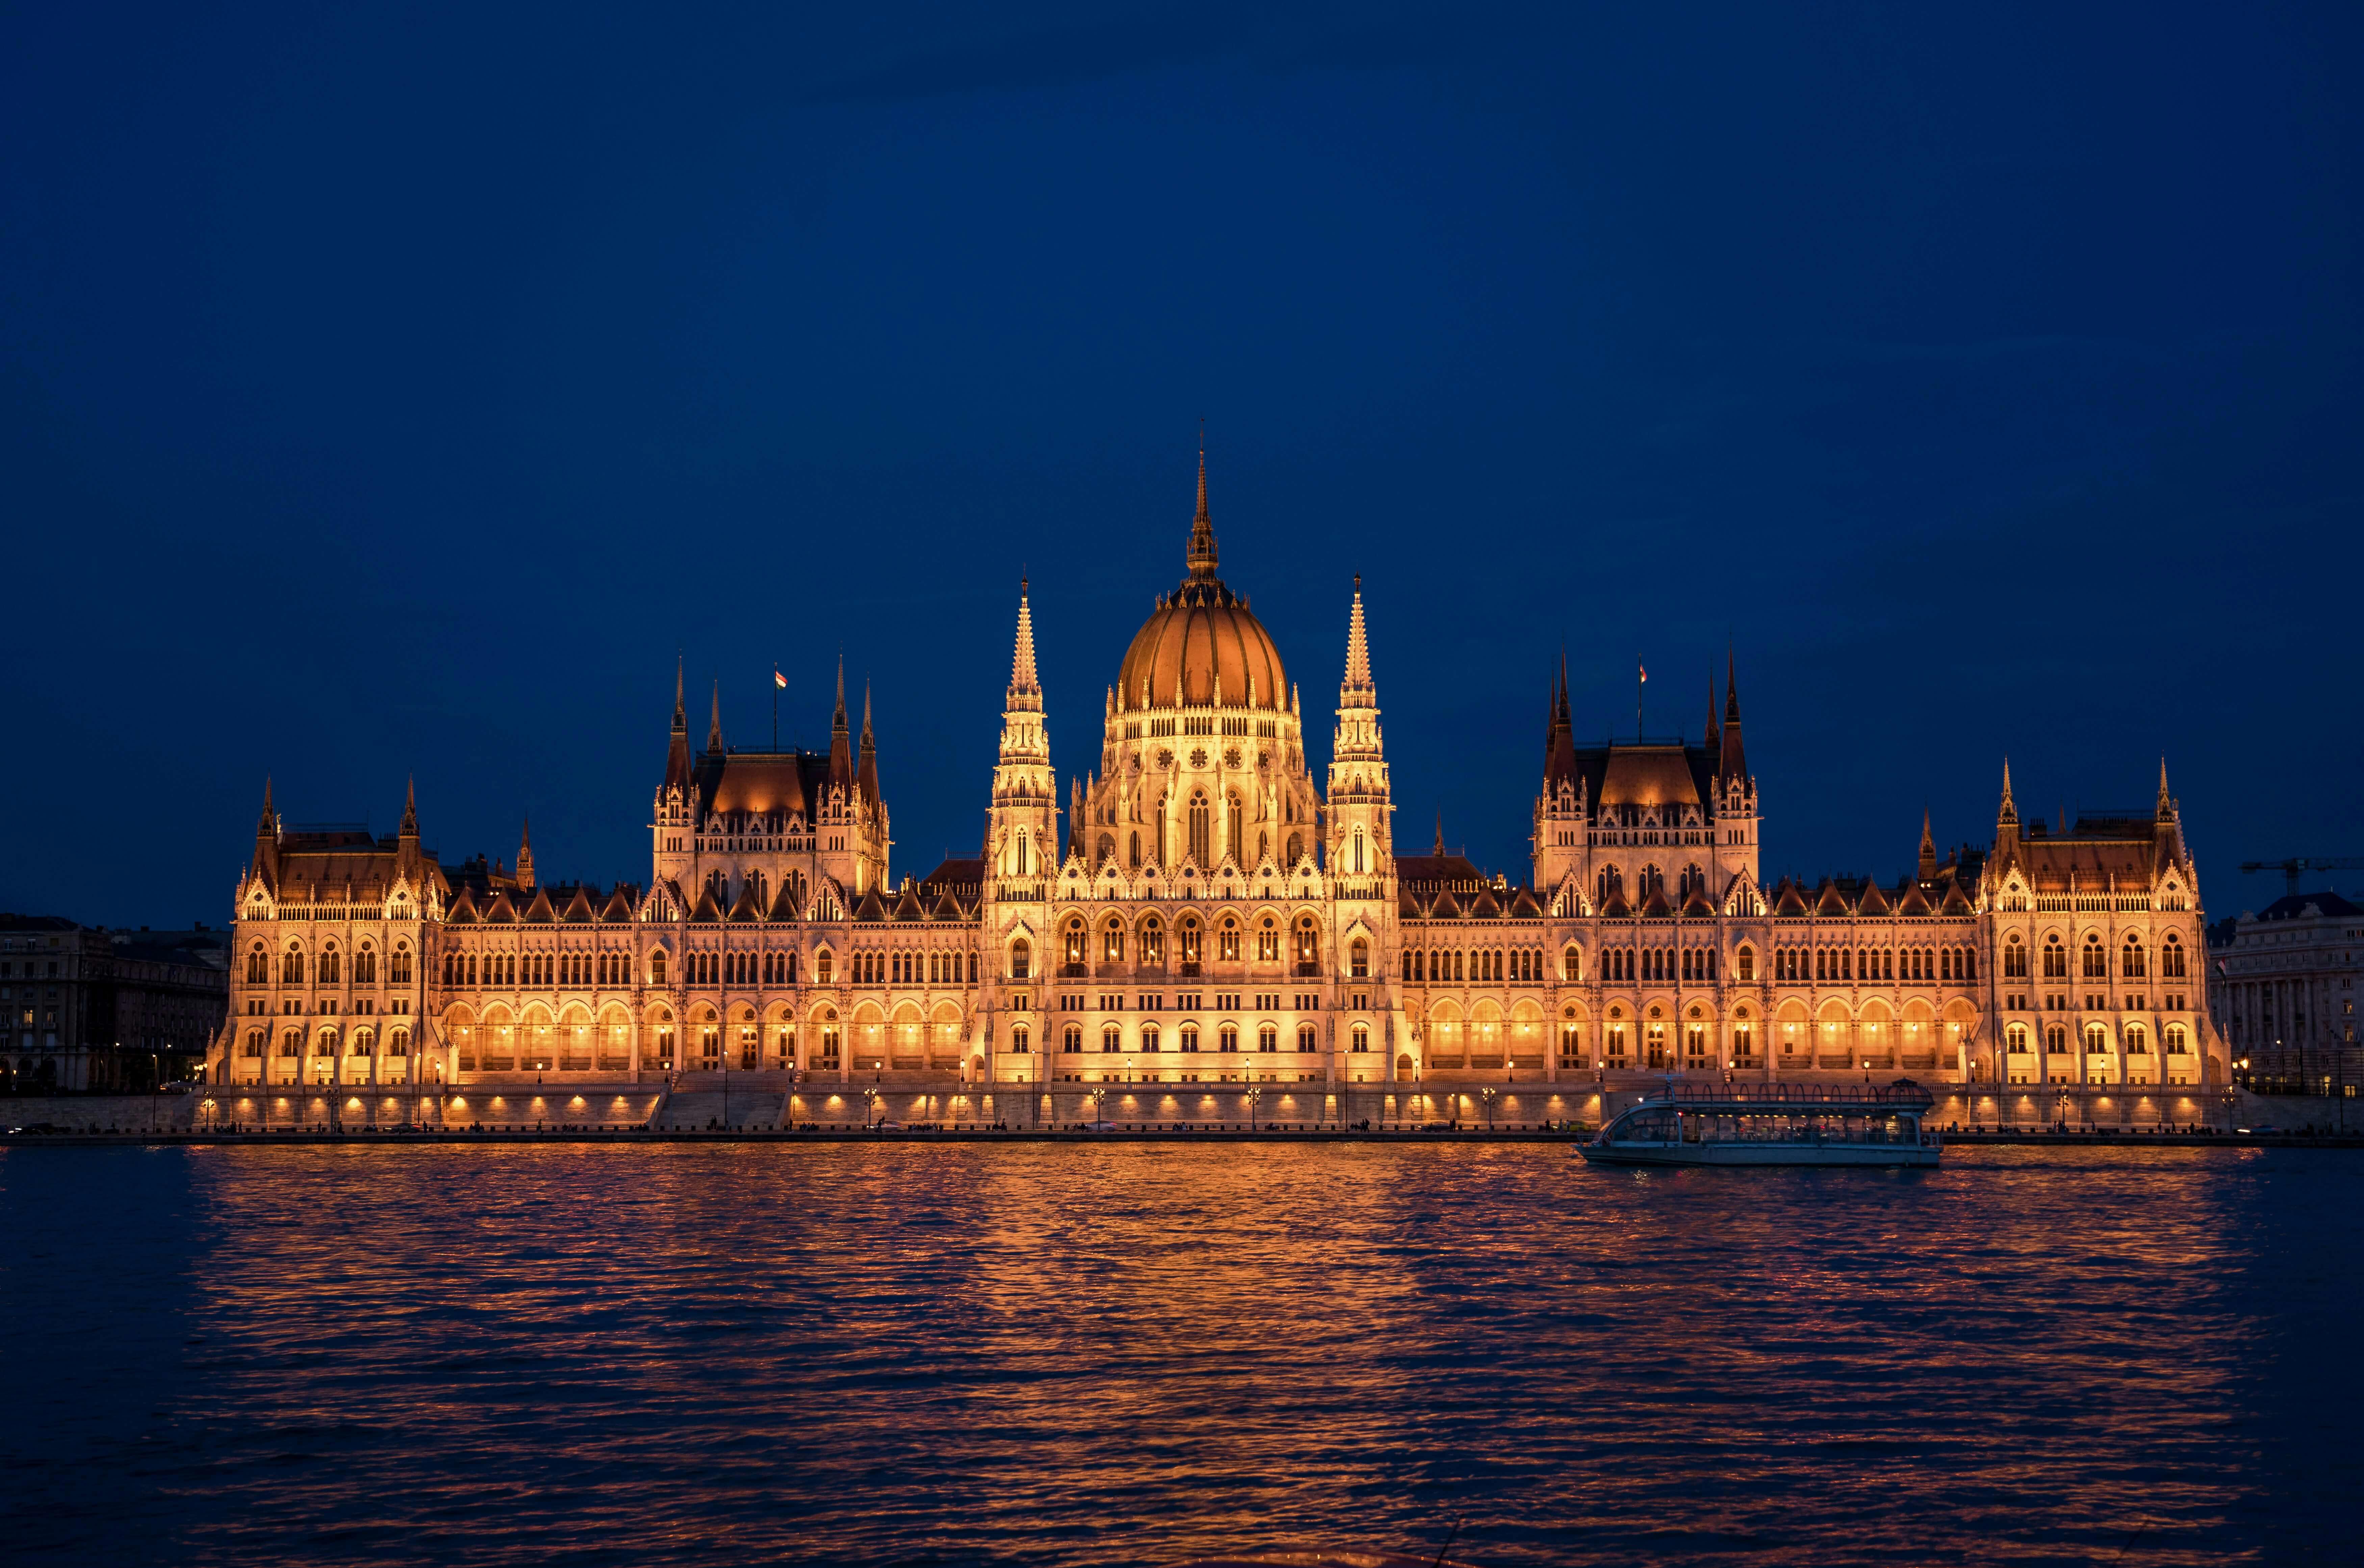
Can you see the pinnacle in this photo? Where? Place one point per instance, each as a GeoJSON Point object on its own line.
{"type": "Point", "coordinates": [1201, 554]}
{"type": "Point", "coordinates": [1024, 679]}
{"type": "Point", "coordinates": [1358, 645]}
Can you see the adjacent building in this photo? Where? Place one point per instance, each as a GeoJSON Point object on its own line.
{"type": "Point", "coordinates": [1215, 913]}
{"type": "Point", "coordinates": [91, 1008]}
{"type": "Point", "coordinates": [2284, 998]}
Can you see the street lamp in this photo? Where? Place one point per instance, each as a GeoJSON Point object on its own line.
{"type": "Point", "coordinates": [1488, 1095]}
{"type": "Point", "coordinates": [1253, 1096]}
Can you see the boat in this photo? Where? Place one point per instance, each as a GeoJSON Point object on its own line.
{"type": "Point", "coordinates": [1773, 1124]}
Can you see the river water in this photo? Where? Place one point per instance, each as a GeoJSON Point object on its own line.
{"type": "Point", "coordinates": [1134, 1354]}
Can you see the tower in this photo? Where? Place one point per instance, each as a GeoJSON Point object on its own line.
{"type": "Point", "coordinates": [673, 821]}
{"type": "Point", "coordinates": [1560, 834]}
{"type": "Point", "coordinates": [1022, 852]}
{"type": "Point", "coordinates": [1359, 804]}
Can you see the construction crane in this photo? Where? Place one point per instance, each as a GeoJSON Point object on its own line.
{"type": "Point", "coordinates": [2291, 869]}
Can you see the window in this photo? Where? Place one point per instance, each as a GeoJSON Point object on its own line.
{"type": "Point", "coordinates": [2014, 959]}
{"type": "Point", "coordinates": [2170, 958]}
{"type": "Point", "coordinates": [2015, 1038]}
{"type": "Point", "coordinates": [1361, 1038]}
{"type": "Point", "coordinates": [1198, 831]}
{"type": "Point", "coordinates": [1017, 1040]}
{"type": "Point", "coordinates": [824, 963]}
{"type": "Point", "coordinates": [1190, 1038]}
{"type": "Point", "coordinates": [2056, 959]}
{"type": "Point", "coordinates": [1021, 958]}
{"type": "Point", "coordinates": [1358, 964]}
{"type": "Point", "coordinates": [2176, 1041]}
{"type": "Point", "coordinates": [2056, 1040]}
{"type": "Point", "coordinates": [1149, 1040]}
{"type": "Point", "coordinates": [1307, 1039]}
{"type": "Point", "coordinates": [1267, 1038]}
{"type": "Point", "coordinates": [1615, 1045]}
{"type": "Point", "coordinates": [1071, 1043]}
{"type": "Point", "coordinates": [1111, 1041]}
{"type": "Point", "coordinates": [258, 967]}
{"type": "Point", "coordinates": [1571, 963]}
{"type": "Point", "coordinates": [1153, 942]}
{"type": "Point", "coordinates": [1227, 941]}
{"type": "Point", "coordinates": [330, 964]}
{"type": "Point", "coordinates": [1357, 864]}
{"type": "Point", "coordinates": [1748, 960]}
{"type": "Point", "coordinates": [1227, 1038]}
{"type": "Point", "coordinates": [657, 967]}
{"type": "Point", "coordinates": [1744, 1042]}
{"type": "Point", "coordinates": [2097, 1039]}
{"type": "Point", "coordinates": [1269, 942]}
{"type": "Point", "coordinates": [2137, 1040]}
{"type": "Point", "coordinates": [291, 968]}
{"type": "Point", "coordinates": [2097, 963]}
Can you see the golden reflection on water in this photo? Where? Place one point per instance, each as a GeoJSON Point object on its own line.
{"type": "Point", "coordinates": [1126, 1352]}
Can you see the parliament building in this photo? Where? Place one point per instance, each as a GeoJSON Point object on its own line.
{"type": "Point", "coordinates": [1214, 914]}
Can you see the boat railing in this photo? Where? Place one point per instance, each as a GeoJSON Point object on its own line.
{"type": "Point", "coordinates": [1902, 1094]}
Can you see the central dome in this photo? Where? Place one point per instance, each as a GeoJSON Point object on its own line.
{"type": "Point", "coordinates": [1202, 643]}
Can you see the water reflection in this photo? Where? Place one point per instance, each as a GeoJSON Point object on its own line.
{"type": "Point", "coordinates": [1141, 1353]}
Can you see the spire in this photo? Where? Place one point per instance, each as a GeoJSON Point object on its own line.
{"type": "Point", "coordinates": [2009, 812]}
{"type": "Point", "coordinates": [1559, 738]}
{"type": "Point", "coordinates": [841, 745]}
{"type": "Point", "coordinates": [1358, 648]}
{"type": "Point", "coordinates": [1440, 832]}
{"type": "Point", "coordinates": [678, 766]}
{"type": "Point", "coordinates": [2166, 801]}
{"type": "Point", "coordinates": [409, 829]}
{"type": "Point", "coordinates": [1714, 738]}
{"type": "Point", "coordinates": [680, 715]}
{"type": "Point", "coordinates": [525, 855]}
{"type": "Point", "coordinates": [269, 827]}
{"type": "Point", "coordinates": [714, 726]}
{"type": "Point", "coordinates": [1732, 758]}
{"type": "Point", "coordinates": [866, 780]}
{"type": "Point", "coordinates": [1928, 850]}
{"type": "Point", "coordinates": [1201, 555]}
{"type": "Point", "coordinates": [1024, 681]}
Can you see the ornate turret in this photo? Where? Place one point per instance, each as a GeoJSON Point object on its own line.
{"type": "Point", "coordinates": [1359, 793]}
{"type": "Point", "coordinates": [841, 743]}
{"type": "Point", "coordinates": [1733, 757]}
{"type": "Point", "coordinates": [266, 840]}
{"type": "Point", "coordinates": [525, 856]}
{"type": "Point", "coordinates": [1928, 869]}
{"type": "Point", "coordinates": [866, 775]}
{"type": "Point", "coordinates": [678, 765]}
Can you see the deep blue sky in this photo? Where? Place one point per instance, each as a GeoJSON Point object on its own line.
{"type": "Point", "coordinates": [395, 390]}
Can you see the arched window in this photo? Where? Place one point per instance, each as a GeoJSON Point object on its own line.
{"type": "Point", "coordinates": [1111, 1041]}
{"type": "Point", "coordinates": [1075, 945]}
{"type": "Point", "coordinates": [1267, 1038]}
{"type": "Point", "coordinates": [258, 966]}
{"type": "Point", "coordinates": [1308, 946]}
{"type": "Point", "coordinates": [2056, 1040]}
{"type": "Point", "coordinates": [1107, 850]}
{"type": "Point", "coordinates": [253, 1043]}
{"type": "Point", "coordinates": [2056, 959]}
{"type": "Point", "coordinates": [1227, 940]}
{"type": "Point", "coordinates": [1017, 1040]}
{"type": "Point", "coordinates": [1307, 1039]}
{"type": "Point", "coordinates": [1227, 1038]}
{"type": "Point", "coordinates": [329, 965]}
{"type": "Point", "coordinates": [1149, 1040]}
{"type": "Point", "coordinates": [1359, 960]}
{"type": "Point", "coordinates": [2137, 1040]}
{"type": "Point", "coordinates": [1357, 866]}
{"type": "Point", "coordinates": [291, 968]}
{"type": "Point", "coordinates": [2097, 963]}
{"type": "Point", "coordinates": [2130, 963]}
{"type": "Point", "coordinates": [1133, 850]}
{"type": "Point", "coordinates": [2097, 1039]}
{"type": "Point", "coordinates": [2016, 1037]}
{"type": "Point", "coordinates": [1362, 1037]}
{"type": "Point", "coordinates": [824, 967]}
{"type": "Point", "coordinates": [1571, 962]}
{"type": "Point", "coordinates": [2177, 1044]}
{"type": "Point", "coordinates": [2014, 959]}
{"type": "Point", "coordinates": [1153, 942]}
{"type": "Point", "coordinates": [1235, 828]}
{"type": "Point", "coordinates": [1071, 1042]}
{"type": "Point", "coordinates": [2170, 958]}
{"type": "Point", "coordinates": [657, 967]}
{"type": "Point", "coordinates": [365, 966]}
{"type": "Point", "coordinates": [1189, 1040]}
{"type": "Point", "coordinates": [1021, 958]}
{"type": "Point", "coordinates": [364, 1044]}
{"type": "Point", "coordinates": [1747, 957]}
{"type": "Point", "coordinates": [399, 1043]}
{"type": "Point", "coordinates": [1198, 830]}
{"type": "Point", "coordinates": [1112, 944]}
{"type": "Point", "coordinates": [290, 1044]}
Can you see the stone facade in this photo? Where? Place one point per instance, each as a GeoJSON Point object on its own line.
{"type": "Point", "coordinates": [1217, 917]}
{"type": "Point", "coordinates": [2285, 993]}
{"type": "Point", "coordinates": [87, 1008]}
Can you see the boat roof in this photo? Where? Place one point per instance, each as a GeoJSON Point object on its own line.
{"type": "Point", "coordinates": [1902, 1094]}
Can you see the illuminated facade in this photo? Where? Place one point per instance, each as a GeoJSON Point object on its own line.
{"type": "Point", "coordinates": [1217, 917]}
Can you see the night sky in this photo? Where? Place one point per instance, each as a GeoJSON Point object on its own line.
{"type": "Point", "coordinates": [391, 391]}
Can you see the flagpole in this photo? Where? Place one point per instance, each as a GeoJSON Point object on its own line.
{"type": "Point", "coordinates": [1641, 679]}
{"type": "Point", "coordinates": [776, 707]}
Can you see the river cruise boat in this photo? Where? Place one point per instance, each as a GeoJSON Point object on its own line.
{"type": "Point", "coordinates": [1772, 1124]}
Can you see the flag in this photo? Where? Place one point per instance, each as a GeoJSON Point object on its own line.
{"type": "Point", "coordinates": [779, 682]}
{"type": "Point", "coordinates": [1639, 665]}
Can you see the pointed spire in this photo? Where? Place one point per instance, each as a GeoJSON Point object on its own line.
{"type": "Point", "coordinates": [1201, 556]}
{"type": "Point", "coordinates": [409, 829]}
{"type": "Point", "coordinates": [525, 855]}
{"type": "Point", "coordinates": [1732, 761]}
{"type": "Point", "coordinates": [840, 745]}
{"type": "Point", "coordinates": [269, 827]}
{"type": "Point", "coordinates": [2166, 801]}
{"type": "Point", "coordinates": [1928, 849]}
{"type": "Point", "coordinates": [714, 725]}
{"type": "Point", "coordinates": [680, 714]}
{"type": "Point", "coordinates": [866, 778]}
{"type": "Point", "coordinates": [1714, 736]}
{"type": "Point", "coordinates": [1024, 681]}
{"type": "Point", "coordinates": [2009, 812]}
{"type": "Point", "coordinates": [1358, 648]}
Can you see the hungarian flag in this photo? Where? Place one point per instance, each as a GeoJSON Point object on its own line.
{"type": "Point", "coordinates": [1638, 665]}
{"type": "Point", "coordinates": [778, 679]}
